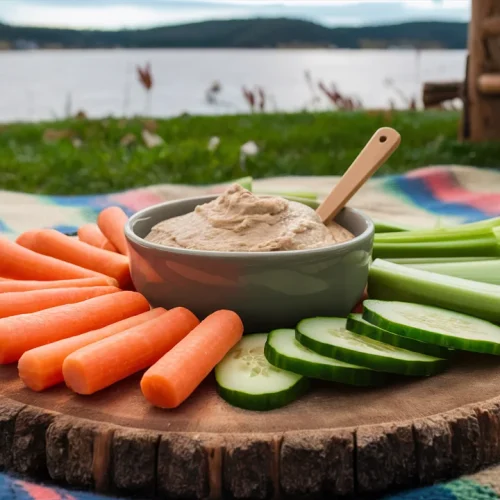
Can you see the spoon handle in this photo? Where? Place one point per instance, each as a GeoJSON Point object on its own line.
{"type": "Point", "coordinates": [376, 152]}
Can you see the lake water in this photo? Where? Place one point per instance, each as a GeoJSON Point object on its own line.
{"type": "Point", "coordinates": [36, 85]}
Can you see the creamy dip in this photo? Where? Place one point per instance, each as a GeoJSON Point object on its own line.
{"type": "Point", "coordinates": [239, 221]}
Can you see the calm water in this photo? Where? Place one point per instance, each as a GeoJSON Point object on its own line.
{"type": "Point", "coordinates": [47, 84]}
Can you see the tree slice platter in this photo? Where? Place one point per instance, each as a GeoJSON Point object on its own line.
{"type": "Point", "coordinates": [336, 440]}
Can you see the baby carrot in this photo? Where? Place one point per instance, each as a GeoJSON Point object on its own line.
{"type": "Point", "coordinates": [100, 365]}
{"type": "Point", "coordinates": [26, 286]}
{"type": "Point", "coordinates": [52, 243]}
{"type": "Point", "coordinates": [111, 222]}
{"type": "Point", "coordinates": [21, 333]}
{"type": "Point", "coordinates": [13, 303]}
{"type": "Point", "coordinates": [21, 263]}
{"type": "Point", "coordinates": [177, 374]}
{"type": "Point", "coordinates": [41, 367]}
{"type": "Point", "coordinates": [92, 235]}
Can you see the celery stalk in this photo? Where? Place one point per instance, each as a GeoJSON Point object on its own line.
{"type": "Point", "coordinates": [306, 201]}
{"type": "Point", "coordinates": [482, 247]}
{"type": "Point", "coordinates": [294, 194]}
{"type": "Point", "coordinates": [438, 260]}
{"type": "Point", "coordinates": [388, 227]}
{"type": "Point", "coordinates": [389, 281]}
{"type": "Point", "coordinates": [245, 182]}
{"type": "Point", "coordinates": [464, 232]}
{"type": "Point", "coordinates": [483, 271]}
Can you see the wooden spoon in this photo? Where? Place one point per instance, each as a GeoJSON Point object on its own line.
{"type": "Point", "coordinates": [376, 152]}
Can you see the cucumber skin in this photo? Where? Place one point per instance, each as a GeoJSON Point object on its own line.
{"type": "Point", "coordinates": [479, 346]}
{"type": "Point", "coordinates": [264, 402]}
{"type": "Point", "coordinates": [324, 372]}
{"type": "Point", "coordinates": [397, 340]}
{"type": "Point", "coordinates": [388, 365]}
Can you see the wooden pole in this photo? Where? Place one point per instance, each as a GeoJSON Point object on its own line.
{"type": "Point", "coordinates": [477, 106]}
{"type": "Point", "coordinates": [489, 84]}
{"type": "Point", "coordinates": [464, 130]}
{"type": "Point", "coordinates": [491, 27]}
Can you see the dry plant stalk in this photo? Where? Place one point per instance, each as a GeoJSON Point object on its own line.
{"type": "Point", "coordinates": [250, 98]}
{"type": "Point", "coordinates": [340, 101]}
{"type": "Point", "coordinates": [146, 80]}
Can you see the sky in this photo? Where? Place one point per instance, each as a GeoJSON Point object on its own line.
{"type": "Point", "coordinates": [115, 14]}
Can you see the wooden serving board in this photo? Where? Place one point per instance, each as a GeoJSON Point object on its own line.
{"type": "Point", "coordinates": [336, 440]}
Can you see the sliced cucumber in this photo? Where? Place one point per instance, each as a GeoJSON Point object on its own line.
{"type": "Point", "coordinates": [284, 351]}
{"type": "Point", "coordinates": [329, 337]}
{"type": "Point", "coordinates": [356, 323]}
{"type": "Point", "coordinates": [434, 325]}
{"type": "Point", "coordinates": [246, 379]}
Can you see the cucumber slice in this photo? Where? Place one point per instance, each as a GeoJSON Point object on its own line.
{"type": "Point", "coordinates": [246, 379]}
{"type": "Point", "coordinates": [434, 325]}
{"type": "Point", "coordinates": [356, 323]}
{"type": "Point", "coordinates": [329, 337]}
{"type": "Point", "coordinates": [283, 350]}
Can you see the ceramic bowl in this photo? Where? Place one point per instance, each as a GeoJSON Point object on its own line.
{"type": "Point", "coordinates": [267, 289]}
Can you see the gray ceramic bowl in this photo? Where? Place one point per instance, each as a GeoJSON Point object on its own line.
{"type": "Point", "coordinates": [268, 290]}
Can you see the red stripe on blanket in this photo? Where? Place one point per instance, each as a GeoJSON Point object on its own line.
{"type": "Point", "coordinates": [444, 188]}
{"type": "Point", "coordinates": [37, 492]}
{"type": "Point", "coordinates": [136, 200]}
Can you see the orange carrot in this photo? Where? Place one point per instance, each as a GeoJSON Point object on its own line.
{"type": "Point", "coordinates": [14, 303]}
{"type": "Point", "coordinates": [41, 368]}
{"type": "Point", "coordinates": [21, 263]}
{"type": "Point", "coordinates": [26, 286]}
{"type": "Point", "coordinates": [92, 235]}
{"type": "Point", "coordinates": [21, 333]}
{"type": "Point", "coordinates": [100, 365]}
{"type": "Point", "coordinates": [111, 222]}
{"type": "Point", "coordinates": [177, 374]}
{"type": "Point", "coordinates": [52, 243]}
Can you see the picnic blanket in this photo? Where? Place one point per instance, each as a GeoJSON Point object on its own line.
{"type": "Point", "coordinates": [482, 486]}
{"type": "Point", "coordinates": [421, 198]}
{"type": "Point", "coordinates": [446, 195]}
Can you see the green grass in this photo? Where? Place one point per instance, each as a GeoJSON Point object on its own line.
{"type": "Point", "coordinates": [290, 144]}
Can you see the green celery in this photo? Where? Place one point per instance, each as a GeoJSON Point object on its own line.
{"type": "Point", "coordinates": [464, 232]}
{"type": "Point", "coordinates": [293, 194]}
{"type": "Point", "coordinates": [480, 247]}
{"type": "Point", "coordinates": [389, 281]}
{"type": "Point", "coordinates": [483, 271]}
{"type": "Point", "coordinates": [438, 260]}
{"type": "Point", "coordinates": [388, 227]}
{"type": "Point", "coordinates": [306, 201]}
{"type": "Point", "coordinates": [245, 182]}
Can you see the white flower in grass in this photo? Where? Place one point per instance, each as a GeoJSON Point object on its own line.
{"type": "Point", "coordinates": [249, 149]}
{"type": "Point", "coordinates": [151, 140]}
{"type": "Point", "coordinates": [213, 143]}
{"type": "Point", "coordinates": [246, 150]}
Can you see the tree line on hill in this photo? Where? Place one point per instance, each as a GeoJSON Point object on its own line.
{"type": "Point", "coordinates": [246, 33]}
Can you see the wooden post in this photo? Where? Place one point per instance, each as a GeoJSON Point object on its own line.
{"type": "Point", "coordinates": [477, 106]}
{"type": "Point", "coordinates": [491, 26]}
{"type": "Point", "coordinates": [489, 84]}
{"type": "Point", "coordinates": [464, 130]}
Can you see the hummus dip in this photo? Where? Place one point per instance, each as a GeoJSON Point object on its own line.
{"type": "Point", "coordinates": [239, 221]}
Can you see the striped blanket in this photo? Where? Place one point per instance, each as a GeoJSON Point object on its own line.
{"type": "Point", "coordinates": [422, 198]}
{"type": "Point", "coordinates": [482, 486]}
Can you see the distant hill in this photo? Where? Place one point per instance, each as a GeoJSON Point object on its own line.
{"type": "Point", "coordinates": [247, 33]}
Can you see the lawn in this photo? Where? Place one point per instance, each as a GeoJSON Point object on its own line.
{"type": "Point", "coordinates": [91, 159]}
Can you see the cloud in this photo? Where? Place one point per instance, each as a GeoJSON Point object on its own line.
{"type": "Point", "coordinates": [112, 14]}
{"type": "Point", "coordinates": [109, 17]}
